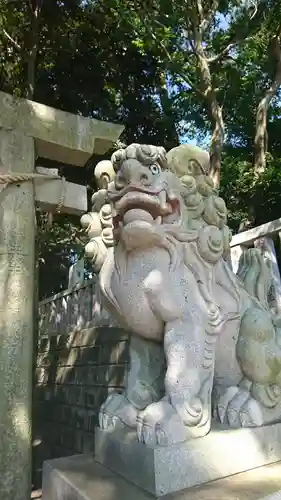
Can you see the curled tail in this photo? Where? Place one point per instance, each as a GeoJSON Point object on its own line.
{"type": "Point", "coordinates": [255, 272]}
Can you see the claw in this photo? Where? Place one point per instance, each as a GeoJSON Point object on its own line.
{"type": "Point", "coordinates": [160, 424]}
{"type": "Point", "coordinates": [234, 407]}
{"type": "Point", "coordinates": [101, 419]}
{"type": "Point", "coordinates": [251, 415]}
{"type": "Point", "coordinates": [239, 409]}
{"type": "Point", "coordinates": [117, 411]}
{"type": "Point", "coordinates": [224, 400]}
{"type": "Point", "coordinates": [149, 435]}
{"type": "Point", "coordinates": [104, 420]}
{"type": "Point", "coordinates": [140, 427]}
{"type": "Point", "coordinates": [162, 437]}
{"type": "Point", "coordinates": [145, 430]}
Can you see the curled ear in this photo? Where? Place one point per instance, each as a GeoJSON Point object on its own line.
{"type": "Point", "coordinates": [187, 159]}
{"type": "Point", "coordinates": [104, 173]}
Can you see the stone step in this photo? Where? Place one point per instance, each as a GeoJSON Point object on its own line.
{"type": "Point", "coordinates": [81, 478]}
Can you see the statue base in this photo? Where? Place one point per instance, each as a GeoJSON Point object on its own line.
{"type": "Point", "coordinates": [162, 470]}
{"type": "Point", "coordinates": [80, 477]}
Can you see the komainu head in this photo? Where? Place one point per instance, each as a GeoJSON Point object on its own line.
{"type": "Point", "coordinates": [156, 195]}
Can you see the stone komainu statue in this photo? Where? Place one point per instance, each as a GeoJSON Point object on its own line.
{"type": "Point", "coordinates": [204, 342]}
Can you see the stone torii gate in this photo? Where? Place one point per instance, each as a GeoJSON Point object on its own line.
{"type": "Point", "coordinates": [28, 129]}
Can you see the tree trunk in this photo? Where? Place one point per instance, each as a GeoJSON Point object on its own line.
{"type": "Point", "coordinates": [32, 50]}
{"type": "Point", "coordinates": [31, 74]}
{"type": "Point", "coordinates": [214, 111]}
{"type": "Point", "coordinates": [167, 108]}
{"type": "Point", "coordinates": [261, 141]}
{"type": "Point", "coordinates": [217, 141]}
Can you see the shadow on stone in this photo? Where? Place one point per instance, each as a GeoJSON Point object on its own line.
{"type": "Point", "coordinates": [81, 478]}
{"type": "Point", "coordinates": [74, 374]}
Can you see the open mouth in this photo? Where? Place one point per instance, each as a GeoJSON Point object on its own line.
{"type": "Point", "coordinates": [153, 208]}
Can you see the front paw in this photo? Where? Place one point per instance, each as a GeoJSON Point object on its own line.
{"type": "Point", "coordinates": [117, 411]}
{"type": "Point", "coordinates": [237, 408]}
{"type": "Point", "coordinates": [160, 424]}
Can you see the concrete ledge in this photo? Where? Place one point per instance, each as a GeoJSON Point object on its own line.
{"type": "Point", "coordinates": [81, 478]}
{"type": "Point", "coordinates": [164, 470]}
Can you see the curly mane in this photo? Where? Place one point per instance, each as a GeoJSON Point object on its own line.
{"type": "Point", "coordinates": [145, 154]}
{"type": "Point", "coordinates": [204, 207]}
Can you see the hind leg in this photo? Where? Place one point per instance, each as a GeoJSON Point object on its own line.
{"type": "Point", "coordinates": [237, 408]}
{"type": "Point", "coordinates": [242, 406]}
{"type": "Point", "coordinates": [256, 399]}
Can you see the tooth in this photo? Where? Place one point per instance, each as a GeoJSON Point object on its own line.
{"type": "Point", "coordinates": [158, 220]}
{"type": "Point", "coordinates": [164, 206]}
{"type": "Point", "coordinates": [172, 196]}
{"type": "Point", "coordinates": [163, 199]}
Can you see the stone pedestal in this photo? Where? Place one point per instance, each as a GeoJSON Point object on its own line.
{"type": "Point", "coordinates": [163, 470]}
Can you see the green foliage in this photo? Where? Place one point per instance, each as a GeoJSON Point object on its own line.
{"type": "Point", "coordinates": [246, 197]}
{"type": "Point", "coordinates": [56, 243]}
{"type": "Point", "coordinates": [134, 62]}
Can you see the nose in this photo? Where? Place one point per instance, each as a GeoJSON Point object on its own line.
{"type": "Point", "coordinates": [133, 172]}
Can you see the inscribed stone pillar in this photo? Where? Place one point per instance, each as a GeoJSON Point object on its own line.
{"type": "Point", "coordinates": [17, 228]}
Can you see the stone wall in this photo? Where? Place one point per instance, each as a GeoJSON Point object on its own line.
{"type": "Point", "coordinates": [79, 360]}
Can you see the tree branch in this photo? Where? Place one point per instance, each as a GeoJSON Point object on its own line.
{"type": "Point", "coordinates": [35, 13]}
{"type": "Point", "coordinates": [13, 42]}
{"type": "Point", "coordinates": [236, 39]}
{"type": "Point", "coordinates": [205, 19]}
{"type": "Point", "coordinates": [160, 42]}
{"type": "Point", "coordinates": [261, 139]}
{"type": "Point", "coordinates": [200, 13]}
{"type": "Point", "coordinates": [30, 5]}
{"type": "Point", "coordinates": [223, 53]}
{"type": "Point", "coordinates": [227, 48]}
{"type": "Point", "coordinates": [184, 76]}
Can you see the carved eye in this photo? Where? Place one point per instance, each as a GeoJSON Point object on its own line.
{"type": "Point", "coordinates": [155, 169]}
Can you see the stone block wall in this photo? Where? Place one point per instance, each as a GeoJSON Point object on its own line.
{"type": "Point", "coordinates": [79, 360]}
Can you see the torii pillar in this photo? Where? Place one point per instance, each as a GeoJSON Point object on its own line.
{"type": "Point", "coordinates": [26, 127]}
